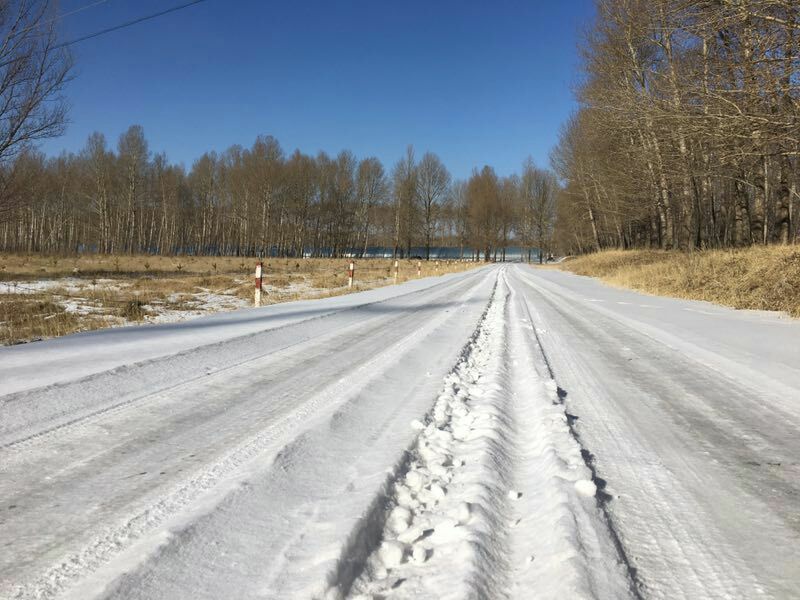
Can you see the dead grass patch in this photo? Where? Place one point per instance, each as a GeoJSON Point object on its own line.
{"type": "Point", "coordinates": [32, 317]}
{"type": "Point", "coordinates": [759, 278]}
{"type": "Point", "coordinates": [117, 289]}
{"type": "Point", "coordinates": [133, 310]}
{"type": "Point", "coordinates": [15, 266]}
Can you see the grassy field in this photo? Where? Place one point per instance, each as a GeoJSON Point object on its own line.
{"type": "Point", "coordinates": [761, 278]}
{"type": "Point", "coordinates": [42, 296]}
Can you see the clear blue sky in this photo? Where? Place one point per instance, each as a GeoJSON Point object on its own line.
{"type": "Point", "coordinates": [476, 82]}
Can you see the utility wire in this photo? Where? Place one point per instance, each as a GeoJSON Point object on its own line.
{"type": "Point", "coordinates": [58, 17]}
{"type": "Point", "coordinates": [110, 29]}
{"type": "Point", "coordinates": [127, 24]}
{"type": "Point", "coordinates": [70, 13]}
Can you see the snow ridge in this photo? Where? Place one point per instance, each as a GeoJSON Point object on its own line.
{"type": "Point", "coordinates": [494, 498]}
{"type": "Point", "coordinates": [386, 534]}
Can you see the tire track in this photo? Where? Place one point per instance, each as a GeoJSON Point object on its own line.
{"type": "Point", "coordinates": [665, 527]}
{"type": "Point", "coordinates": [183, 369]}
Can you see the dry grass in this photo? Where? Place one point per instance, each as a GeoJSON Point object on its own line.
{"type": "Point", "coordinates": [111, 290]}
{"type": "Point", "coordinates": [761, 278]}
{"type": "Point", "coordinates": [32, 317]}
{"type": "Point", "coordinates": [15, 266]}
{"type": "Point", "coordinates": [35, 266]}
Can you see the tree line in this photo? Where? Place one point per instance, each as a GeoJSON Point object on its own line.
{"type": "Point", "coordinates": [686, 134]}
{"type": "Point", "coordinates": [260, 200]}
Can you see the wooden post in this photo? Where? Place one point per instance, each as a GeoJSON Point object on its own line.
{"type": "Point", "coordinates": [259, 281]}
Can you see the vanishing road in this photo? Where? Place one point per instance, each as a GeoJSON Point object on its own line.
{"type": "Point", "coordinates": [507, 432]}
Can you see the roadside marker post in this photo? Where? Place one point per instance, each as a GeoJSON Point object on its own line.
{"type": "Point", "coordinates": [396, 266]}
{"type": "Point", "coordinates": [259, 281]}
{"type": "Point", "coordinates": [350, 273]}
{"type": "Point", "coordinates": [419, 268]}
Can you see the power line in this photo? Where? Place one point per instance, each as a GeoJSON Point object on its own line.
{"type": "Point", "coordinates": [74, 12]}
{"type": "Point", "coordinates": [126, 24]}
{"type": "Point", "coordinates": [109, 29]}
{"type": "Point", "coordinates": [58, 17]}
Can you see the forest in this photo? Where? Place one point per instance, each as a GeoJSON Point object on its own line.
{"type": "Point", "coordinates": [261, 201]}
{"type": "Point", "coordinates": [687, 133]}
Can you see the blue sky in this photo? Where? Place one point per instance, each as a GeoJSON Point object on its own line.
{"type": "Point", "coordinates": [475, 82]}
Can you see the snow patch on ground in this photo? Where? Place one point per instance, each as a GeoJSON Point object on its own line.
{"type": "Point", "coordinates": [73, 285]}
{"type": "Point", "coordinates": [73, 294]}
{"type": "Point", "coordinates": [199, 304]}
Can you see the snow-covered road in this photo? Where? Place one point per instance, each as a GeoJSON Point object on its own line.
{"type": "Point", "coordinates": [691, 413]}
{"type": "Point", "coordinates": [442, 438]}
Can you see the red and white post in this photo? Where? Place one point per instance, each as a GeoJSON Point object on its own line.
{"type": "Point", "coordinates": [350, 272]}
{"type": "Point", "coordinates": [396, 268]}
{"type": "Point", "coordinates": [259, 281]}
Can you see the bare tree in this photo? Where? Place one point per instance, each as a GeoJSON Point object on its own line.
{"type": "Point", "coordinates": [100, 163]}
{"type": "Point", "coordinates": [433, 180]}
{"type": "Point", "coordinates": [483, 201]}
{"type": "Point", "coordinates": [33, 72]}
{"type": "Point", "coordinates": [134, 158]}
{"type": "Point", "coordinates": [404, 181]}
{"type": "Point", "coordinates": [538, 191]}
{"type": "Point", "coordinates": [371, 191]}
{"type": "Point", "coordinates": [459, 215]}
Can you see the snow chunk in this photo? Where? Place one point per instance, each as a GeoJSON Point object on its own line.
{"type": "Point", "coordinates": [414, 481]}
{"type": "Point", "coordinates": [419, 554]}
{"type": "Point", "coordinates": [462, 513]}
{"type": "Point", "coordinates": [399, 519]}
{"type": "Point", "coordinates": [586, 488]}
{"type": "Point", "coordinates": [391, 554]}
{"type": "Point", "coordinates": [437, 491]}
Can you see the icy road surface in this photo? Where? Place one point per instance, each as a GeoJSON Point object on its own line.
{"type": "Point", "coordinates": [502, 433]}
